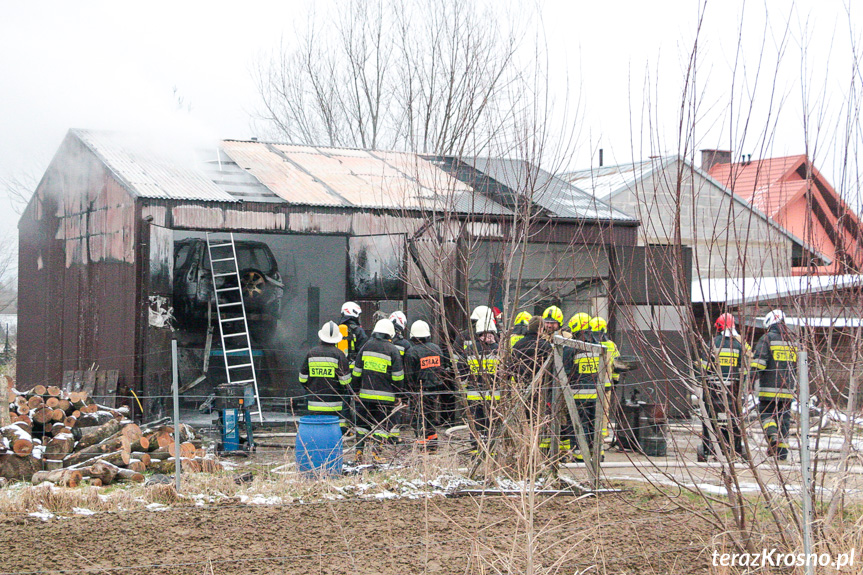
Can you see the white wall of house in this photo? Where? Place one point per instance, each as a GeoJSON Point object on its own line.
{"type": "Point", "coordinates": [728, 238]}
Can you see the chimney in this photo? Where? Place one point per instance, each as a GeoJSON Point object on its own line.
{"type": "Point", "coordinates": [600, 157]}
{"type": "Point", "coordinates": [710, 158]}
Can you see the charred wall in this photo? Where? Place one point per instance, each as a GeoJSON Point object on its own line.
{"type": "Point", "coordinates": [77, 277]}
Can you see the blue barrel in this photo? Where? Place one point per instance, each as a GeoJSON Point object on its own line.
{"type": "Point", "coordinates": [319, 445]}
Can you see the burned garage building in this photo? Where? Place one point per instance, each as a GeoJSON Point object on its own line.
{"type": "Point", "coordinates": [114, 264]}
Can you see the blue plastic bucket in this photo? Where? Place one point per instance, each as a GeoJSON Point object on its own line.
{"type": "Point", "coordinates": [319, 445]}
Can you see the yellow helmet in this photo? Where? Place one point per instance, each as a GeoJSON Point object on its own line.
{"type": "Point", "coordinates": [553, 313]}
{"type": "Point", "coordinates": [598, 324]}
{"type": "Point", "coordinates": [522, 318]}
{"type": "Point", "coordinates": [579, 322]}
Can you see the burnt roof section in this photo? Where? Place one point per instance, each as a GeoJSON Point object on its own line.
{"type": "Point", "coordinates": [552, 195]}
{"type": "Point", "coordinates": [253, 171]}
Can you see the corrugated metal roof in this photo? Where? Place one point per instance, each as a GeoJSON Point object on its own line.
{"type": "Point", "coordinates": [605, 181]}
{"type": "Point", "coordinates": [146, 173]}
{"type": "Point", "coordinates": [736, 291]}
{"type": "Point", "coordinates": [767, 184]}
{"type": "Point", "coordinates": [318, 176]}
{"type": "Point", "coordinates": [558, 197]}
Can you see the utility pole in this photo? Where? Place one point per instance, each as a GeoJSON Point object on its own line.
{"type": "Point", "coordinates": [176, 390]}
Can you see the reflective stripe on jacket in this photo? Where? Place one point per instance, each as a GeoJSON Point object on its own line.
{"type": "Point", "coordinates": [379, 371]}
{"type": "Point", "coordinates": [775, 362]}
{"type": "Point", "coordinates": [325, 371]}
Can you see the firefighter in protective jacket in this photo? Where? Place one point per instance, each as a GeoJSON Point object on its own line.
{"type": "Point", "coordinates": [354, 334]}
{"type": "Point", "coordinates": [478, 370]}
{"type": "Point", "coordinates": [722, 367]}
{"type": "Point", "coordinates": [425, 366]}
{"type": "Point", "coordinates": [326, 375]}
{"type": "Point", "coordinates": [775, 365]}
{"type": "Point", "coordinates": [378, 377]}
{"type": "Point", "coordinates": [582, 370]}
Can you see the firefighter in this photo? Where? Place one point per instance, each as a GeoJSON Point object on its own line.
{"type": "Point", "coordinates": [526, 360]}
{"type": "Point", "coordinates": [425, 366]}
{"type": "Point", "coordinates": [481, 313]}
{"type": "Point", "coordinates": [354, 334]}
{"type": "Point", "coordinates": [520, 328]}
{"type": "Point", "coordinates": [326, 375]}
{"type": "Point", "coordinates": [552, 317]}
{"type": "Point", "coordinates": [599, 332]}
{"type": "Point", "coordinates": [775, 365]}
{"type": "Point", "coordinates": [576, 322]}
{"type": "Point", "coordinates": [722, 377]}
{"type": "Point", "coordinates": [582, 370]}
{"type": "Point", "coordinates": [378, 377]}
{"type": "Point", "coordinates": [478, 368]}
{"type": "Point", "coordinates": [400, 323]}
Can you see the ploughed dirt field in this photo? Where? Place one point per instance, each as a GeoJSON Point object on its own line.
{"type": "Point", "coordinates": [612, 534]}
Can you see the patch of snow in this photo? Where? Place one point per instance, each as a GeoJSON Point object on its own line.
{"type": "Point", "coordinates": [261, 500]}
{"type": "Point", "coordinates": [42, 514]}
{"type": "Point", "coordinates": [157, 507]}
{"type": "Point", "coordinates": [82, 511]}
{"type": "Point", "coordinates": [385, 494]}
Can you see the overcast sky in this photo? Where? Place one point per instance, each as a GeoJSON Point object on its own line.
{"type": "Point", "coordinates": [115, 65]}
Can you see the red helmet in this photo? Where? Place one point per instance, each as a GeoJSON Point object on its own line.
{"type": "Point", "coordinates": [723, 322]}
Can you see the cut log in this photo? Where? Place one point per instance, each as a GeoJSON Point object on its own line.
{"type": "Point", "coordinates": [65, 405]}
{"type": "Point", "coordinates": [25, 424]}
{"type": "Point", "coordinates": [159, 455]}
{"type": "Point", "coordinates": [118, 458]}
{"type": "Point", "coordinates": [53, 391]}
{"type": "Point", "coordinates": [22, 447]}
{"type": "Point", "coordinates": [104, 471]}
{"type": "Point", "coordinates": [142, 457]}
{"type": "Point", "coordinates": [159, 439]}
{"type": "Point", "coordinates": [92, 408]}
{"type": "Point", "coordinates": [94, 435]}
{"type": "Point", "coordinates": [141, 444]}
{"type": "Point", "coordinates": [58, 414]}
{"type": "Point", "coordinates": [52, 402]}
{"type": "Point", "coordinates": [23, 409]}
{"type": "Point", "coordinates": [65, 477]}
{"type": "Point", "coordinates": [122, 411]}
{"type": "Point", "coordinates": [20, 401]}
{"type": "Point", "coordinates": [35, 401]}
{"type": "Point", "coordinates": [37, 390]}
{"type": "Point", "coordinates": [133, 432]}
{"type": "Point", "coordinates": [69, 421]}
{"type": "Point", "coordinates": [129, 475]}
{"type": "Point", "coordinates": [76, 414]}
{"type": "Point", "coordinates": [42, 415]}
{"type": "Point", "coordinates": [151, 426]}
{"type": "Point", "coordinates": [119, 443]}
{"type": "Point", "coordinates": [137, 465]}
{"type": "Point", "coordinates": [58, 428]}
{"type": "Point", "coordinates": [16, 467]}
{"type": "Point", "coordinates": [59, 446]}
{"type": "Point", "coordinates": [80, 399]}
{"type": "Point", "coordinates": [94, 419]}
{"type": "Point", "coordinates": [96, 482]}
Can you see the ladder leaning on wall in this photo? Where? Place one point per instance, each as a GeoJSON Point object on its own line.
{"type": "Point", "coordinates": [231, 315]}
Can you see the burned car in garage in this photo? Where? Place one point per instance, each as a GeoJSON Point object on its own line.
{"type": "Point", "coordinates": [261, 283]}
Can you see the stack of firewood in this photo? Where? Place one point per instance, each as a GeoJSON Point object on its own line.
{"type": "Point", "coordinates": [65, 438]}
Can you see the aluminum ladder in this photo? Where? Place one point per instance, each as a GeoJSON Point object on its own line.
{"type": "Point", "coordinates": [231, 315]}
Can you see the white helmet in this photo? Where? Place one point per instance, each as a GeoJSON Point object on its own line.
{"type": "Point", "coordinates": [351, 309]}
{"type": "Point", "coordinates": [774, 317]}
{"type": "Point", "coordinates": [330, 333]}
{"type": "Point", "coordinates": [486, 324]}
{"type": "Point", "coordinates": [419, 328]}
{"type": "Point", "coordinates": [400, 319]}
{"type": "Point", "coordinates": [385, 327]}
{"type": "Point", "coordinates": [480, 312]}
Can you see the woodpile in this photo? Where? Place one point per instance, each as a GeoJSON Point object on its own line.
{"type": "Point", "coordinates": [66, 438]}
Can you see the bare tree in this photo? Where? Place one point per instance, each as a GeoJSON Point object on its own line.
{"type": "Point", "coordinates": [419, 76]}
